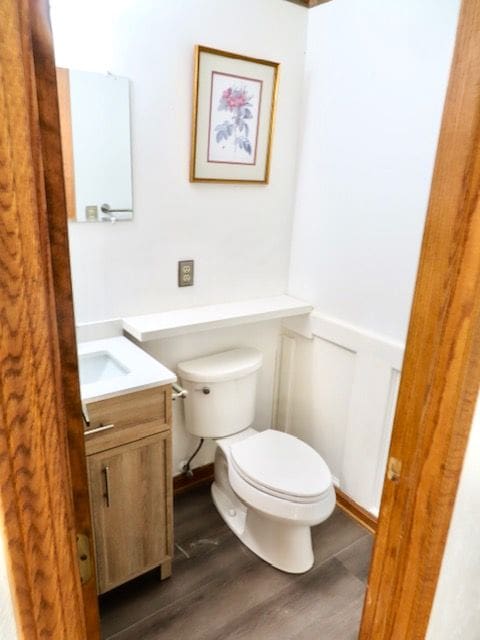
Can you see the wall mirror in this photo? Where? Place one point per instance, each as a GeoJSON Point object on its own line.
{"type": "Point", "coordinates": [96, 143]}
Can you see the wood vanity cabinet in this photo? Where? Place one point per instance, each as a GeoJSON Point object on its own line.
{"type": "Point", "coordinates": [128, 446]}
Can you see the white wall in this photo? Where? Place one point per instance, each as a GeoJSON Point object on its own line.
{"type": "Point", "coordinates": [376, 75]}
{"type": "Point", "coordinates": [239, 235]}
{"type": "Point", "coordinates": [456, 608]}
{"type": "Point", "coordinates": [374, 88]}
{"type": "Point", "coordinates": [8, 628]}
{"type": "Point", "coordinates": [375, 80]}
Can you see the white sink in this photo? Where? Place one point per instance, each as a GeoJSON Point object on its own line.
{"type": "Point", "coordinates": [98, 366]}
{"type": "Point", "coordinates": [111, 367]}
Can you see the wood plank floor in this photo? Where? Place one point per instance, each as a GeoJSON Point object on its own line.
{"type": "Point", "coordinates": [219, 590]}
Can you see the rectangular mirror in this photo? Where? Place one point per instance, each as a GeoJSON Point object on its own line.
{"type": "Point", "coordinates": [95, 127]}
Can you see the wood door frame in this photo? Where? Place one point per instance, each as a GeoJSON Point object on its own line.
{"type": "Point", "coordinates": [441, 370]}
{"type": "Point", "coordinates": [43, 491]}
{"type": "Point", "coordinates": [43, 481]}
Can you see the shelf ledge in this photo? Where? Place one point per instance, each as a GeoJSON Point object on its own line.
{"type": "Point", "coordinates": [181, 321]}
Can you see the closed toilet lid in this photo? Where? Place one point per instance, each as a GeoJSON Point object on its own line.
{"type": "Point", "coordinates": [281, 464]}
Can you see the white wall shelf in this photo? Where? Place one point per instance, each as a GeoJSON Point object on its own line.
{"type": "Point", "coordinates": [180, 321]}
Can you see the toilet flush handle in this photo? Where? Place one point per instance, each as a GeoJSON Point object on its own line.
{"type": "Point", "coordinates": [204, 390]}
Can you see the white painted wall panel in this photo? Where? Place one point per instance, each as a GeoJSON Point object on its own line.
{"type": "Point", "coordinates": [375, 80]}
{"type": "Point", "coordinates": [323, 377]}
{"type": "Point", "coordinates": [8, 628]}
{"type": "Point", "coordinates": [333, 369]}
{"type": "Point", "coordinates": [239, 235]}
{"type": "Point", "coordinates": [343, 401]}
{"type": "Point", "coordinates": [284, 384]}
{"type": "Point", "coordinates": [456, 608]}
{"type": "Point", "coordinates": [367, 428]}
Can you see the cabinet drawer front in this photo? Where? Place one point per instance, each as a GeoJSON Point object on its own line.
{"type": "Point", "coordinates": [131, 498]}
{"type": "Point", "coordinates": [115, 436]}
{"type": "Point", "coordinates": [129, 417]}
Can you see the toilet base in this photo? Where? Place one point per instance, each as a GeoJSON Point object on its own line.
{"type": "Point", "coordinates": [286, 546]}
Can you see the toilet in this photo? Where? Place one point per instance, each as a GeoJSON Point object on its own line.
{"type": "Point", "coordinates": [270, 487]}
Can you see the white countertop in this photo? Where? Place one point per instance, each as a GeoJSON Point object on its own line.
{"type": "Point", "coordinates": [144, 372]}
{"type": "Point", "coordinates": [181, 321]}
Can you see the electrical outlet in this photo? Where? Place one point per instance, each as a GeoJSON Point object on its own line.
{"type": "Point", "coordinates": [91, 212]}
{"type": "Point", "coordinates": [185, 273]}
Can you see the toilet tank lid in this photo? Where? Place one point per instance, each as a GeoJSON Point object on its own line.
{"type": "Point", "coordinates": [221, 367]}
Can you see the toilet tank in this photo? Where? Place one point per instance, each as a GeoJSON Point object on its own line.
{"type": "Point", "coordinates": [221, 392]}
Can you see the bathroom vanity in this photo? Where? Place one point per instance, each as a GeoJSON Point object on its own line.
{"type": "Point", "coordinates": [128, 448]}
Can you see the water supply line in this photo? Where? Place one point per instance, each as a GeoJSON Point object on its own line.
{"type": "Point", "coordinates": [186, 467]}
{"type": "Point", "coordinates": [178, 391]}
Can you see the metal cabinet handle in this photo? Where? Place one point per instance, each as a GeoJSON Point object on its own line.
{"type": "Point", "coordinates": [106, 495]}
{"type": "Point", "coordinates": [102, 427]}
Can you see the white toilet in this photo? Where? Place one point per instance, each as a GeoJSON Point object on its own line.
{"type": "Point", "coordinates": [270, 487]}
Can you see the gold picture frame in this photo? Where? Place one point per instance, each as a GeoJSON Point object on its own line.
{"type": "Point", "coordinates": [234, 107]}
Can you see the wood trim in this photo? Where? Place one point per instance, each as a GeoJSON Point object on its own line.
{"type": "Point", "coordinates": [441, 372]}
{"type": "Point", "coordinates": [55, 232]}
{"type": "Point", "coordinates": [201, 477]}
{"type": "Point", "coordinates": [65, 111]}
{"type": "Point", "coordinates": [355, 511]}
{"type": "Point", "coordinates": [37, 507]}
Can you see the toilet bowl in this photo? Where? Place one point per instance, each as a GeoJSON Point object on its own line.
{"type": "Point", "coordinates": [270, 487]}
{"type": "Point", "coordinates": [271, 507]}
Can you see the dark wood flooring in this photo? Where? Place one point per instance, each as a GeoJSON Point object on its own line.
{"type": "Point", "coordinates": [219, 590]}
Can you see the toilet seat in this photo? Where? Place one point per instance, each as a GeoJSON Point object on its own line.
{"type": "Point", "coordinates": [282, 466]}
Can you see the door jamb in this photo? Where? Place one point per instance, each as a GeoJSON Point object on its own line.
{"type": "Point", "coordinates": [39, 401]}
{"type": "Point", "coordinates": [41, 431]}
{"type": "Point", "coordinates": [441, 371]}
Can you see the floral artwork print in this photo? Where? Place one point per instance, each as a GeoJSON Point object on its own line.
{"type": "Point", "coordinates": [234, 118]}
{"type": "Point", "coordinates": [236, 101]}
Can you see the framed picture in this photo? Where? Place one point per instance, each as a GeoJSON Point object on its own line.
{"type": "Point", "coordinates": [233, 114]}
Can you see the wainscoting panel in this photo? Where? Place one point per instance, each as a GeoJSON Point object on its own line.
{"type": "Point", "coordinates": [284, 381]}
{"type": "Point", "coordinates": [367, 429]}
{"type": "Point", "coordinates": [333, 373]}
{"type": "Point", "coordinates": [342, 390]}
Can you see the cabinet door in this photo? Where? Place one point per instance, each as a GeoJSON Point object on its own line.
{"type": "Point", "coordinates": [131, 498]}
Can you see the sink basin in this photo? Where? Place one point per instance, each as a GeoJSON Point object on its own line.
{"type": "Point", "coordinates": [111, 367]}
{"type": "Point", "coordinates": [98, 366]}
